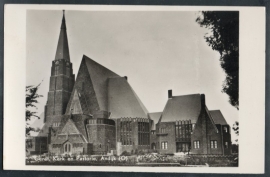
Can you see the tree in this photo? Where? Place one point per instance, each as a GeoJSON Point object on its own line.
{"type": "Point", "coordinates": [224, 38]}
{"type": "Point", "coordinates": [236, 129]}
{"type": "Point", "coordinates": [30, 102]}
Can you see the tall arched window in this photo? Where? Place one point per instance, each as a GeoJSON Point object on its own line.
{"type": "Point", "coordinates": [66, 148]}
{"type": "Point", "coordinates": [56, 70]}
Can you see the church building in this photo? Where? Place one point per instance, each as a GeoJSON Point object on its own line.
{"type": "Point", "coordinates": [100, 113]}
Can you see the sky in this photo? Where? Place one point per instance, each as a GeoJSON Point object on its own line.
{"type": "Point", "coordinates": [158, 51]}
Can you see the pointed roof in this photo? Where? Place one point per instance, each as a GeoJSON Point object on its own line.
{"type": "Point", "coordinates": [62, 51]}
{"type": "Point", "coordinates": [69, 128]}
{"type": "Point", "coordinates": [99, 75]}
{"type": "Point", "coordinates": [186, 107]}
{"type": "Point", "coordinates": [123, 101]}
{"type": "Point", "coordinates": [218, 117]}
{"type": "Point", "coordinates": [75, 104]}
{"type": "Point", "coordinates": [106, 91]}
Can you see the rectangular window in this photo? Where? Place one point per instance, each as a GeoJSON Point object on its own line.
{"type": "Point", "coordinates": [226, 145]}
{"type": "Point", "coordinates": [196, 144]}
{"type": "Point", "coordinates": [225, 129]}
{"type": "Point", "coordinates": [213, 144]}
{"type": "Point", "coordinates": [164, 145]}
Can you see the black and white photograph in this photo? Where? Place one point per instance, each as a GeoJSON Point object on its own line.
{"type": "Point", "coordinates": [132, 88]}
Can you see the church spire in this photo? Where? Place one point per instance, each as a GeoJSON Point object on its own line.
{"type": "Point", "coordinates": [62, 51]}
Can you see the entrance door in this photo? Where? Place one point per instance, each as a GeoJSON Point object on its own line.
{"type": "Point", "coordinates": [67, 147]}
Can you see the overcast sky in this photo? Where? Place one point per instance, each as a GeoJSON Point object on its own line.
{"type": "Point", "coordinates": [158, 51]}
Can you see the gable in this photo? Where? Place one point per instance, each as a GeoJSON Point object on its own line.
{"type": "Point", "coordinates": [85, 91]}
{"type": "Point", "coordinates": [205, 120]}
{"type": "Point", "coordinates": [69, 128]}
{"type": "Point", "coordinates": [75, 104]}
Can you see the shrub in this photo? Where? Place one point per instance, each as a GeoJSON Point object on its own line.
{"type": "Point", "coordinates": [141, 152]}
{"type": "Point", "coordinates": [125, 153]}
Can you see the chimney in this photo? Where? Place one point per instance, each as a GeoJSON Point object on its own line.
{"type": "Point", "coordinates": [169, 93]}
{"type": "Point", "coordinates": [126, 77]}
{"type": "Point", "coordinates": [203, 100]}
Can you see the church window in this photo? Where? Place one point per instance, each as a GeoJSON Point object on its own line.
{"type": "Point", "coordinates": [66, 148]}
{"type": "Point", "coordinates": [99, 145]}
{"type": "Point", "coordinates": [225, 129]}
{"type": "Point", "coordinates": [196, 144]}
{"type": "Point", "coordinates": [213, 144]}
{"type": "Point", "coordinates": [56, 69]}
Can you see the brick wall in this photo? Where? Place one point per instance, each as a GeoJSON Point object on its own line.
{"type": "Point", "coordinates": [206, 131]}
{"type": "Point", "coordinates": [167, 136]}
{"type": "Point", "coordinates": [39, 145]}
{"type": "Point", "coordinates": [102, 137]}
{"type": "Point", "coordinates": [61, 85]}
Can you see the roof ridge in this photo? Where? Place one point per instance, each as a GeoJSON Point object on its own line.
{"type": "Point", "coordinates": [186, 95]}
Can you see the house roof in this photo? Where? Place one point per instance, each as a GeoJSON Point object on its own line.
{"type": "Point", "coordinates": [123, 101]}
{"type": "Point", "coordinates": [218, 117]}
{"type": "Point", "coordinates": [186, 107]}
{"type": "Point", "coordinates": [155, 117]}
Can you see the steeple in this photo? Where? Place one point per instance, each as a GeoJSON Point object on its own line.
{"type": "Point", "coordinates": [62, 51]}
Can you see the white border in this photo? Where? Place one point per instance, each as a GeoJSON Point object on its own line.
{"type": "Point", "coordinates": [252, 89]}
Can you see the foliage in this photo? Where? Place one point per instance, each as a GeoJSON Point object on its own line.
{"type": "Point", "coordinates": [125, 153]}
{"type": "Point", "coordinates": [236, 128]}
{"type": "Point", "coordinates": [224, 27]}
{"type": "Point", "coordinates": [30, 102]}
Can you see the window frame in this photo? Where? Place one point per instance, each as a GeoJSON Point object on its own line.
{"type": "Point", "coordinates": [213, 144]}
{"type": "Point", "coordinates": [196, 144]}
